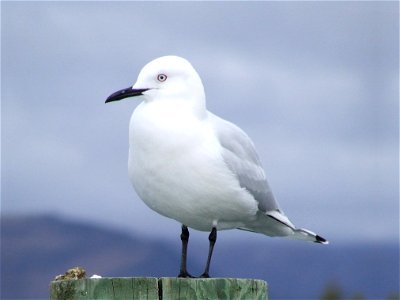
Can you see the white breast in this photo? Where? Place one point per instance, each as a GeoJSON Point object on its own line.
{"type": "Point", "coordinates": [176, 168]}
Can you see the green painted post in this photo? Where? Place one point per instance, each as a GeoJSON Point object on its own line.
{"type": "Point", "coordinates": [213, 288]}
{"type": "Point", "coordinates": [166, 288]}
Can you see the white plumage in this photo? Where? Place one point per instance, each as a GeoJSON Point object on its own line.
{"type": "Point", "coordinates": [192, 166]}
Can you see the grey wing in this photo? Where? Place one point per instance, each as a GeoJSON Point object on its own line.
{"type": "Point", "coordinates": [241, 158]}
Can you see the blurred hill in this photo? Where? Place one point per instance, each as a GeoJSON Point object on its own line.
{"type": "Point", "coordinates": [35, 249]}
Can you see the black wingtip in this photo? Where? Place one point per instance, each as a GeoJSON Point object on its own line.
{"type": "Point", "coordinates": [320, 240]}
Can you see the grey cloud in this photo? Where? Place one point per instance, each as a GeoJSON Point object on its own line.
{"type": "Point", "coordinates": [314, 84]}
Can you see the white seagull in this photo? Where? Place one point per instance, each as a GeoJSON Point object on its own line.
{"type": "Point", "coordinates": [192, 166]}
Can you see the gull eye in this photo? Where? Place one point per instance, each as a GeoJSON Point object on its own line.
{"type": "Point", "coordinates": [161, 77]}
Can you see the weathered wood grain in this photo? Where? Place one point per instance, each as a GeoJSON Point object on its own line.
{"type": "Point", "coordinates": [166, 288]}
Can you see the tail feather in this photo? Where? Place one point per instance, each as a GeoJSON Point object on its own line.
{"type": "Point", "coordinates": [297, 233]}
{"type": "Point", "coordinates": [307, 235]}
{"type": "Point", "coordinates": [275, 223]}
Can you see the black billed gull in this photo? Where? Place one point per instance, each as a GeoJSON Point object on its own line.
{"type": "Point", "coordinates": [192, 166]}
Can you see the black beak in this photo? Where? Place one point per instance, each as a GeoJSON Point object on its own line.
{"type": "Point", "coordinates": [125, 93]}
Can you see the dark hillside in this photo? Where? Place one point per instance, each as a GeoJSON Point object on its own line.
{"type": "Point", "coordinates": [35, 249]}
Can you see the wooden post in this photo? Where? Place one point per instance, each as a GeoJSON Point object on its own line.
{"type": "Point", "coordinates": [151, 288]}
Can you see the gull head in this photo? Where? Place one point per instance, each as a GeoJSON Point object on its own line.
{"type": "Point", "coordinates": [167, 77]}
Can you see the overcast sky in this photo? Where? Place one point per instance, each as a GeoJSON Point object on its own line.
{"type": "Point", "coordinates": [314, 84]}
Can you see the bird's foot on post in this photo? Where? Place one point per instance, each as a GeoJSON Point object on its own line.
{"type": "Point", "coordinates": [185, 274]}
{"type": "Point", "coordinates": [212, 238]}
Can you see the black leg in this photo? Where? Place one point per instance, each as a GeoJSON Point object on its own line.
{"type": "Point", "coordinates": [185, 240]}
{"type": "Point", "coordinates": [212, 238]}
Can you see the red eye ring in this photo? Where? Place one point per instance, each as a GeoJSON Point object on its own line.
{"type": "Point", "coordinates": [161, 77]}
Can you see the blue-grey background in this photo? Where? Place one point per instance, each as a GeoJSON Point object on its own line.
{"type": "Point", "coordinates": [314, 84]}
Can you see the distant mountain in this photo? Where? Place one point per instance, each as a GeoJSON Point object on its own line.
{"type": "Point", "coordinates": [35, 249]}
